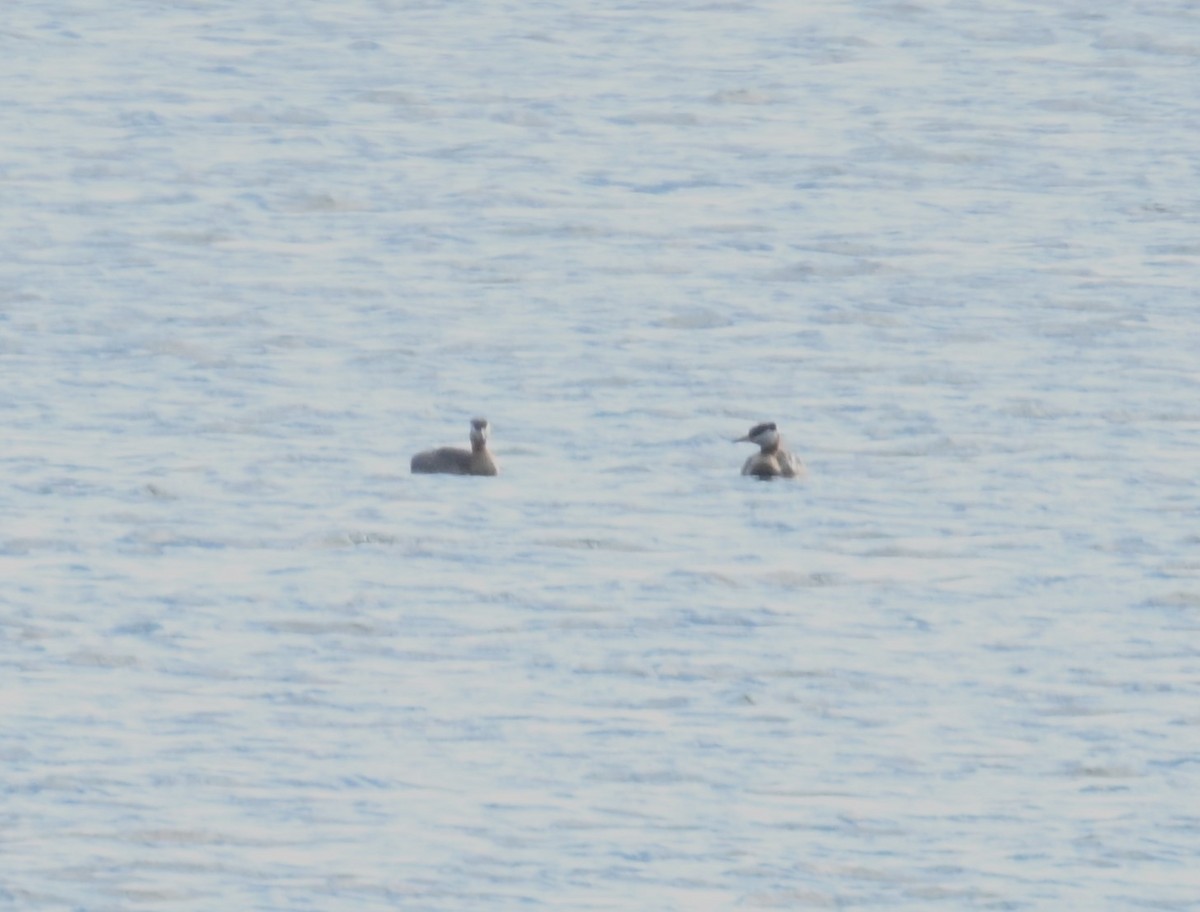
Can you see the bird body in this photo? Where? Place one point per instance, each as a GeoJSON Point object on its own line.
{"type": "Point", "coordinates": [771, 460]}
{"type": "Point", "coordinates": [454, 461]}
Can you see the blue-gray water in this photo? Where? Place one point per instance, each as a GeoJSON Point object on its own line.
{"type": "Point", "coordinates": [257, 254]}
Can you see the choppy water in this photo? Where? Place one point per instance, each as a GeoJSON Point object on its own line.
{"type": "Point", "coordinates": [256, 254]}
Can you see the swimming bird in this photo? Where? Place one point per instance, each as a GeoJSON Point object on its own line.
{"type": "Point", "coordinates": [771, 460]}
{"type": "Point", "coordinates": [453, 461]}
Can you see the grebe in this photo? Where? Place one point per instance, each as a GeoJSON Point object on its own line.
{"type": "Point", "coordinates": [453, 461]}
{"type": "Point", "coordinates": [772, 460]}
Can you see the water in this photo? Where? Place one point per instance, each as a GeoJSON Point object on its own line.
{"type": "Point", "coordinates": [256, 255]}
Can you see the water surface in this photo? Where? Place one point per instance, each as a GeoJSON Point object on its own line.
{"type": "Point", "coordinates": [256, 255]}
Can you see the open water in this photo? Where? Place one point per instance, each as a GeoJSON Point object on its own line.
{"type": "Point", "coordinates": [256, 254]}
